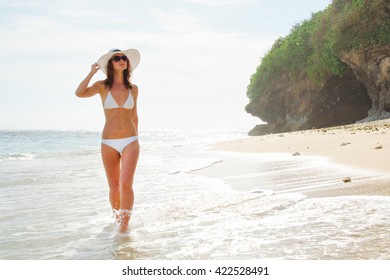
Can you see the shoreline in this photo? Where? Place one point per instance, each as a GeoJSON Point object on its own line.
{"type": "Point", "coordinates": [361, 150]}
{"type": "Point", "coordinates": [365, 145]}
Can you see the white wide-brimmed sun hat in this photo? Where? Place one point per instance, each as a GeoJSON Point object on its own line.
{"type": "Point", "coordinates": [132, 54]}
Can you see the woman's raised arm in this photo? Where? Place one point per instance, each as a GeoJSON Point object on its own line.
{"type": "Point", "coordinates": [83, 90]}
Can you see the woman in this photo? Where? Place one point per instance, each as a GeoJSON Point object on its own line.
{"type": "Point", "coordinates": [120, 147]}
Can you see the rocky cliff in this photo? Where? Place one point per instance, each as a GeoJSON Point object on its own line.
{"type": "Point", "coordinates": [372, 68]}
{"type": "Point", "coordinates": [330, 70]}
{"type": "Point", "coordinates": [362, 93]}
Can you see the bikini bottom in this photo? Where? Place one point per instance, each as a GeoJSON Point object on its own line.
{"type": "Point", "coordinates": [119, 144]}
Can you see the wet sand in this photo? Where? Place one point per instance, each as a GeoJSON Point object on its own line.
{"type": "Point", "coordinates": [361, 152]}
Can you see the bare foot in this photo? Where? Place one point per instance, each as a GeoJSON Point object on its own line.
{"type": "Point", "coordinates": [123, 228]}
{"type": "Point", "coordinates": [124, 220]}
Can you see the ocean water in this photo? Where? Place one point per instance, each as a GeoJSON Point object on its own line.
{"type": "Point", "coordinates": [54, 203]}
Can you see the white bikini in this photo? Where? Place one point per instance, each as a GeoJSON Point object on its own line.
{"type": "Point", "coordinates": [121, 143]}
{"type": "Point", "coordinates": [110, 102]}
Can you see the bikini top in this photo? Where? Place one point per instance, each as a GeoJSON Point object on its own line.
{"type": "Point", "coordinates": [110, 103]}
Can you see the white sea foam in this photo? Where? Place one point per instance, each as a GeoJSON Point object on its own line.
{"type": "Point", "coordinates": [16, 157]}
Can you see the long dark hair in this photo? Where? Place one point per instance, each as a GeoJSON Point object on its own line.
{"type": "Point", "coordinates": [110, 75]}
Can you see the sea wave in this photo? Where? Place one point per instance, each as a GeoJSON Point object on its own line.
{"type": "Point", "coordinates": [16, 157]}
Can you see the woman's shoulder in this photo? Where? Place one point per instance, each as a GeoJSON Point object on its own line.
{"type": "Point", "coordinates": [100, 85]}
{"type": "Point", "coordinates": [134, 91]}
{"type": "Point", "coordinates": [134, 88]}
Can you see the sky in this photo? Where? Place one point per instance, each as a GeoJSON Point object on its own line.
{"type": "Point", "coordinates": [197, 57]}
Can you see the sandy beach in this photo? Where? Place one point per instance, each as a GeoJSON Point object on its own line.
{"type": "Point", "coordinates": [364, 147]}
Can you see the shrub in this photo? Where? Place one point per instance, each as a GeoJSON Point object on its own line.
{"type": "Point", "coordinates": [313, 46]}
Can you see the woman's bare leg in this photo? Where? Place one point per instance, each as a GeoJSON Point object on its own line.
{"type": "Point", "coordinates": [129, 163]}
{"type": "Point", "coordinates": [111, 162]}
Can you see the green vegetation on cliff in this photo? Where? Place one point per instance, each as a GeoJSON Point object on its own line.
{"type": "Point", "coordinates": [313, 46]}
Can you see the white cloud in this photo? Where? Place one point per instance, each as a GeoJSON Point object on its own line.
{"type": "Point", "coordinates": [18, 4]}
{"type": "Point", "coordinates": [219, 2]}
{"type": "Point", "coordinates": [181, 21]}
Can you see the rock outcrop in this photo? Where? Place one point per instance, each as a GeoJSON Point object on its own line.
{"type": "Point", "coordinates": [362, 93]}
{"type": "Point", "coordinates": [372, 68]}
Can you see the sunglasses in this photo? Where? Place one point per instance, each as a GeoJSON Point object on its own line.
{"type": "Point", "coordinates": [119, 57]}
